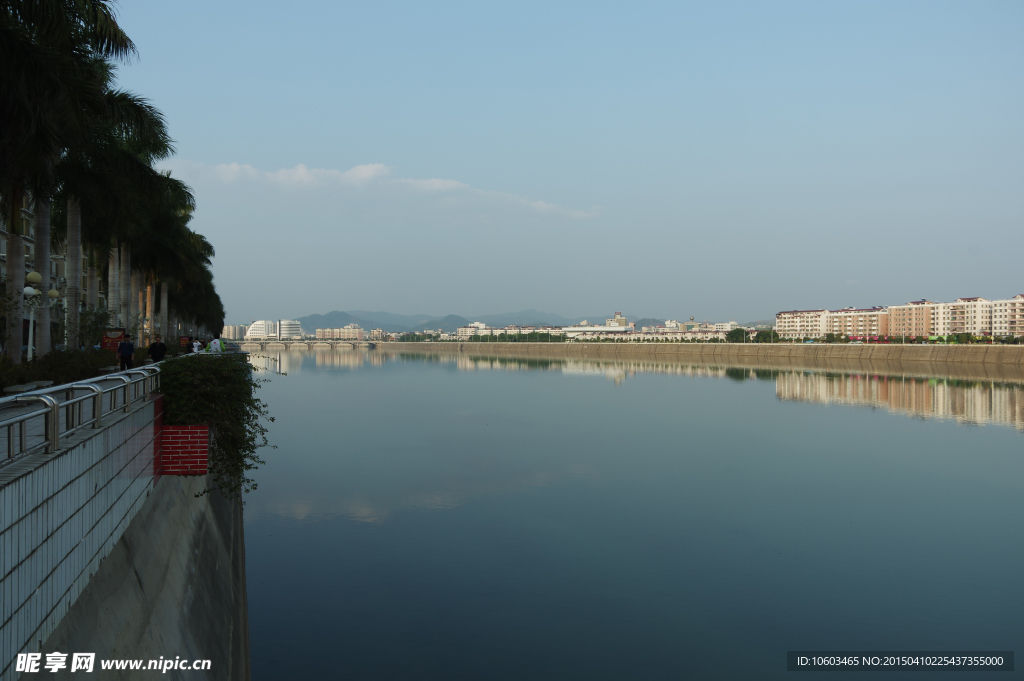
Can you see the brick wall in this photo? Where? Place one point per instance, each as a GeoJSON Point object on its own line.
{"type": "Point", "coordinates": [184, 450]}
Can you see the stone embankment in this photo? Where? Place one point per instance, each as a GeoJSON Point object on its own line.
{"type": "Point", "coordinates": [727, 352]}
{"type": "Point", "coordinates": [983, 362]}
{"type": "Point", "coordinates": [173, 586]}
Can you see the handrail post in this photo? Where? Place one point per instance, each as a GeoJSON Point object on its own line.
{"type": "Point", "coordinates": [97, 400]}
{"type": "Point", "coordinates": [53, 437]}
{"type": "Point", "coordinates": [113, 391]}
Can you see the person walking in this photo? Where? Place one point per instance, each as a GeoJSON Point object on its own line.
{"type": "Point", "coordinates": [216, 345]}
{"type": "Point", "coordinates": [126, 352]}
{"type": "Point", "coordinates": [190, 346]}
{"type": "Point", "coordinates": [157, 350]}
{"type": "Point", "coordinates": [197, 345]}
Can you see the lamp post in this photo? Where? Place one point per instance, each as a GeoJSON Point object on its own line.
{"type": "Point", "coordinates": [32, 301]}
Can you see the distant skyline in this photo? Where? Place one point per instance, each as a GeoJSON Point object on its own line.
{"type": "Point", "coordinates": [720, 160]}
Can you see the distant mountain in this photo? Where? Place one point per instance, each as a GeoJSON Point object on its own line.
{"type": "Point", "coordinates": [398, 323]}
{"type": "Point", "coordinates": [760, 322]}
{"type": "Point", "coordinates": [331, 320]}
{"type": "Point", "coordinates": [380, 320]}
{"type": "Point", "coordinates": [447, 324]}
{"type": "Point", "coordinates": [526, 318]}
{"type": "Point", "coordinates": [393, 322]}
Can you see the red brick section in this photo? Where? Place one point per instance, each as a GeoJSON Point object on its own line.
{"type": "Point", "coordinates": [185, 450]}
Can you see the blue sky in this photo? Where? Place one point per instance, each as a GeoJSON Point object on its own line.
{"type": "Point", "coordinates": [723, 160]}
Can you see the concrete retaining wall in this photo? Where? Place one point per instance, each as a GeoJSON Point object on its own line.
{"type": "Point", "coordinates": [60, 515]}
{"type": "Point", "coordinates": [174, 586]}
{"type": "Point", "coordinates": [731, 352]}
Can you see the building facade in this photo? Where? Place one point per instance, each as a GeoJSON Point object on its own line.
{"type": "Point", "coordinates": [349, 332]}
{"type": "Point", "coordinates": [261, 329]}
{"type": "Point", "coordinates": [801, 323]}
{"type": "Point", "coordinates": [913, 320]}
{"type": "Point", "coordinates": [858, 322]}
{"type": "Point", "coordinates": [234, 331]}
{"type": "Point", "coordinates": [1008, 316]}
{"type": "Point", "coordinates": [288, 328]}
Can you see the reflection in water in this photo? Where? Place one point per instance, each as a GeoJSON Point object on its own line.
{"type": "Point", "coordinates": [970, 401]}
{"type": "Point", "coordinates": [506, 518]}
{"type": "Point", "coordinates": [974, 402]}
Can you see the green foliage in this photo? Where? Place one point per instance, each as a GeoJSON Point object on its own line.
{"type": "Point", "coordinates": [65, 366]}
{"type": "Point", "coordinates": [92, 322]}
{"type": "Point", "coordinates": [767, 336]}
{"type": "Point", "coordinates": [736, 336]}
{"type": "Point", "coordinates": [219, 390]}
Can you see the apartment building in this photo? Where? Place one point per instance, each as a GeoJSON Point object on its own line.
{"type": "Point", "coordinates": [964, 315]}
{"type": "Point", "coordinates": [348, 332]}
{"type": "Point", "coordinates": [859, 322]}
{"type": "Point", "coordinates": [801, 323]}
{"type": "Point", "coordinates": [915, 319]}
{"type": "Point", "coordinates": [1008, 316]}
{"type": "Point", "coordinates": [472, 329]}
{"type": "Point", "coordinates": [919, 318]}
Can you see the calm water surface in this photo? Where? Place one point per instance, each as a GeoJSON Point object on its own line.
{"type": "Point", "coordinates": [441, 519]}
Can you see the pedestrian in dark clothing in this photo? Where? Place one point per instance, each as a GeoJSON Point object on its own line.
{"type": "Point", "coordinates": [157, 350]}
{"type": "Point", "coordinates": [126, 352]}
{"type": "Point", "coordinates": [189, 347]}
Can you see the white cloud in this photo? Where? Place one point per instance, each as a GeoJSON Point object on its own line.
{"type": "Point", "coordinates": [435, 185]}
{"type": "Point", "coordinates": [302, 176]}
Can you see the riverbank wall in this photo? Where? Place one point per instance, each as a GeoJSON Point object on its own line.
{"type": "Point", "coordinates": [981, 362]}
{"type": "Point", "coordinates": [173, 587]}
{"type": "Point", "coordinates": [812, 352]}
{"type": "Point", "coordinates": [102, 553]}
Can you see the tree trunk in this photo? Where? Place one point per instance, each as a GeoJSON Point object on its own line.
{"type": "Point", "coordinates": [133, 305]}
{"type": "Point", "coordinates": [15, 289]}
{"type": "Point", "coordinates": [163, 312]}
{"type": "Point", "coordinates": [150, 326]}
{"type": "Point", "coordinates": [125, 276]}
{"type": "Point", "coordinates": [92, 282]}
{"type": "Point", "coordinates": [140, 284]}
{"type": "Point", "coordinates": [113, 287]}
{"type": "Point", "coordinates": [42, 338]}
{"type": "Point", "coordinates": [73, 254]}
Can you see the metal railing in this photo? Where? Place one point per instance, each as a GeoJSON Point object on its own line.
{"type": "Point", "coordinates": [63, 410]}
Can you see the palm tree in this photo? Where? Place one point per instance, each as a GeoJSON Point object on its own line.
{"type": "Point", "coordinates": [66, 133]}
{"type": "Point", "coordinates": [49, 87]}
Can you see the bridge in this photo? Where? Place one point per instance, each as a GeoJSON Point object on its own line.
{"type": "Point", "coordinates": [308, 344]}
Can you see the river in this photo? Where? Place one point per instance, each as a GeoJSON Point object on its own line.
{"type": "Point", "coordinates": [432, 517]}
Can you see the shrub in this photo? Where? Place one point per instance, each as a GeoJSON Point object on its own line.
{"type": "Point", "coordinates": [219, 390]}
{"type": "Point", "coordinates": [59, 366]}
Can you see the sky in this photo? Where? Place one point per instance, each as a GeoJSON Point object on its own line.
{"type": "Point", "coordinates": [720, 160]}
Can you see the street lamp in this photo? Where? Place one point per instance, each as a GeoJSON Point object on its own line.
{"type": "Point", "coordinates": [32, 301]}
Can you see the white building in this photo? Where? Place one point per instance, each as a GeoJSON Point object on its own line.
{"type": "Point", "coordinates": [1008, 316]}
{"type": "Point", "coordinates": [264, 328]}
{"type": "Point", "coordinates": [348, 332]}
{"type": "Point", "coordinates": [964, 315]}
{"type": "Point", "coordinates": [234, 331]}
{"type": "Point", "coordinates": [288, 328]}
{"type": "Point", "coordinates": [473, 329]}
{"type": "Point", "coordinates": [801, 323]}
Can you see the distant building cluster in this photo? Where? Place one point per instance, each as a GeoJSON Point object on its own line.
{"type": "Point", "coordinates": [282, 329]}
{"type": "Point", "coordinates": [616, 327]}
{"type": "Point", "coordinates": [916, 319]}
{"type": "Point", "coordinates": [347, 332]}
{"type": "Point", "coordinates": [234, 331]}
